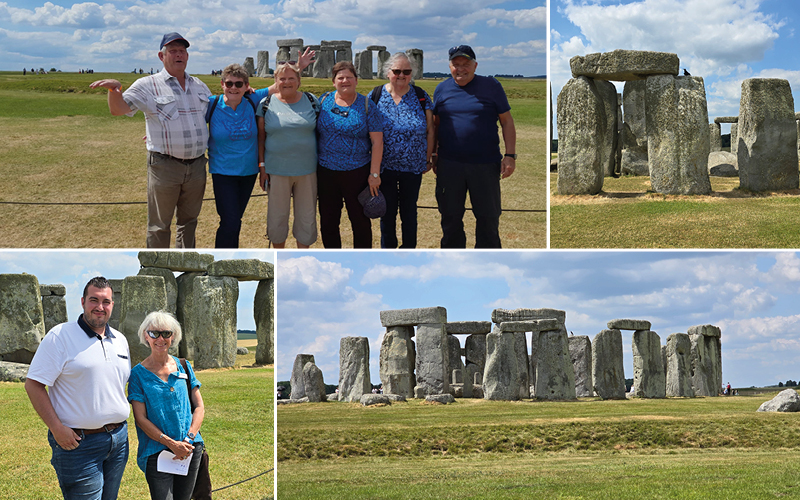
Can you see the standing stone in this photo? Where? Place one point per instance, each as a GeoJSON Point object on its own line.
{"type": "Point", "coordinates": [21, 317]}
{"type": "Point", "coordinates": [298, 380]}
{"type": "Point", "coordinates": [288, 49]}
{"type": "Point", "coordinates": [532, 362]}
{"type": "Point", "coordinates": [521, 348]}
{"type": "Point", "coordinates": [170, 283]}
{"type": "Point", "coordinates": [455, 364]}
{"type": "Point", "coordinates": [715, 137]}
{"type": "Point", "coordinates": [608, 373]}
{"type": "Point", "coordinates": [54, 305]}
{"type": "Point", "coordinates": [314, 383]}
{"type": "Point", "coordinates": [249, 66]}
{"type": "Point", "coordinates": [706, 354]}
{"type": "Point", "coordinates": [309, 70]}
{"type": "Point", "coordinates": [649, 379]}
{"type": "Point", "coordinates": [383, 58]}
{"type": "Point", "coordinates": [501, 375]}
{"type": "Point", "coordinates": [185, 312]}
{"type": "Point", "coordinates": [214, 321]}
{"type": "Point", "coordinates": [354, 368]}
{"type": "Point", "coordinates": [634, 129]}
{"type": "Point", "coordinates": [263, 310]}
{"type": "Point", "coordinates": [735, 140]}
{"type": "Point", "coordinates": [416, 55]}
{"type": "Point", "coordinates": [262, 68]}
{"type": "Point", "coordinates": [582, 137]}
{"type": "Point", "coordinates": [580, 352]}
{"type": "Point", "coordinates": [768, 137]}
{"type": "Point", "coordinates": [679, 365]}
{"type": "Point", "coordinates": [363, 65]}
{"type": "Point", "coordinates": [397, 359]}
{"type": "Point", "coordinates": [343, 49]}
{"type": "Point", "coordinates": [431, 361]}
{"type": "Point", "coordinates": [555, 377]}
{"type": "Point", "coordinates": [141, 295]}
{"type": "Point", "coordinates": [474, 355]}
{"type": "Point", "coordinates": [624, 65]}
{"type": "Point", "coordinates": [677, 134]}
{"type": "Point", "coordinates": [113, 321]}
{"type": "Point", "coordinates": [608, 92]}
{"type": "Point", "coordinates": [323, 66]}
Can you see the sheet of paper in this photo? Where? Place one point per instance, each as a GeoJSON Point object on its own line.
{"type": "Point", "coordinates": [170, 466]}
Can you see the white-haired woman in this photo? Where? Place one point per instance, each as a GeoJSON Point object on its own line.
{"type": "Point", "coordinates": [162, 409]}
{"type": "Point", "coordinates": [287, 156]}
{"type": "Point", "coordinates": [408, 139]}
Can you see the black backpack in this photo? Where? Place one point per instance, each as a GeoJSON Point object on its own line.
{"type": "Point", "coordinates": [215, 101]}
{"type": "Point", "coordinates": [376, 95]}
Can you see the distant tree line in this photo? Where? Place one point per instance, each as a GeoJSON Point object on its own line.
{"type": "Point", "coordinates": [789, 383]}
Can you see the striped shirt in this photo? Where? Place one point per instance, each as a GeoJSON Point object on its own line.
{"type": "Point", "coordinates": [175, 119]}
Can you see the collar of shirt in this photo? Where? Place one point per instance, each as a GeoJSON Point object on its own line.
{"type": "Point", "coordinates": [91, 333]}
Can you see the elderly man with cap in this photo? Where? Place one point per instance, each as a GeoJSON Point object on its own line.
{"type": "Point", "coordinates": [466, 110]}
{"type": "Point", "coordinates": [174, 104]}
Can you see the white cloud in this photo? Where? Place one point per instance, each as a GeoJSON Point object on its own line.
{"type": "Point", "coordinates": [311, 277]}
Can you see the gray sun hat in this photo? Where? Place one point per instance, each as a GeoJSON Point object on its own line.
{"type": "Point", "coordinates": [374, 206]}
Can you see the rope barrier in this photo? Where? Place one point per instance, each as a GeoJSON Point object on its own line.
{"type": "Point", "coordinates": [243, 481]}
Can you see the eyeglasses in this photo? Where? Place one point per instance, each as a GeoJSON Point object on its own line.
{"type": "Point", "coordinates": [154, 334]}
{"type": "Point", "coordinates": [286, 62]}
{"type": "Point", "coordinates": [404, 71]}
{"type": "Point", "coordinates": [238, 84]}
{"type": "Point", "coordinates": [341, 112]}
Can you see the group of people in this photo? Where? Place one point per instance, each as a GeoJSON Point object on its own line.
{"type": "Point", "coordinates": [76, 383]}
{"type": "Point", "coordinates": [340, 148]}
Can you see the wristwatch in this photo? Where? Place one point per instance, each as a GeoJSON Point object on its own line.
{"type": "Point", "coordinates": [514, 155]}
{"type": "Point", "coordinates": [375, 175]}
{"type": "Point", "coordinates": [189, 437]}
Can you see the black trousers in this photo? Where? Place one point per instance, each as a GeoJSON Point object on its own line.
{"type": "Point", "coordinates": [333, 186]}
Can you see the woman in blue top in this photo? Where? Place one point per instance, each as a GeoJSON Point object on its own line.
{"type": "Point", "coordinates": [164, 419]}
{"type": "Point", "coordinates": [350, 149]}
{"type": "Point", "coordinates": [408, 139]}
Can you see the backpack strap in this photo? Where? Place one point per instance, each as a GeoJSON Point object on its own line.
{"type": "Point", "coordinates": [188, 384]}
{"type": "Point", "coordinates": [252, 104]}
{"type": "Point", "coordinates": [265, 105]}
{"type": "Point", "coordinates": [421, 95]}
{"type": "Point", "coordinates": [214, 99]}
{"type": "Point", "coordinates": [376, 94]}
{"type": "Point", "coordinates": [315, 103]}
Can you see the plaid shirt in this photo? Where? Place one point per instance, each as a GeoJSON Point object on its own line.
{"type": "Point", "coordinates": [175, 119]}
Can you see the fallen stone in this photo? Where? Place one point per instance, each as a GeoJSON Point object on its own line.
{"type": "Point", "coordinates": [243, 269]}
{"type": "Point", "coordinates": [624, 65]}
{"type": "Point", "coordinates": [13, 372]}
{"type": "Point", "coordinates": [291, 401]}
{"type": "Point", "coordinates": [374, 399]}
{"type": "Point", "coordinates": [241, 351]}
{"type": "Point", "coordinates": [411, 317]}
{"type": "Point", "coordinates": [722, 164]}
{"type": "Point", "coordinates": [786, 401]}
{"type": "Point", "coordinates": [628, 324]}
{"type": "Point", "coordinates": [395, 398]}
{"type": "Point", "coordinates": [176, 261]}
{"type": "Point", "coordinates": [468, 327]}
{"type": "Point", "coordinates": [440, 398]}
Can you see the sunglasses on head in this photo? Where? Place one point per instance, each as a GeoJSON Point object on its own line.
{"type": "Point", "coordinates": [238, 84]}
{"type": "Point", "coordinates": [404, 71]}
{"type": "Point", "coordinates": [154, 334]}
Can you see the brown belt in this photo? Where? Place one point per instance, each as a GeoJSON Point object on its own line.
{"type": "Point", "coordinates": [105, 428]}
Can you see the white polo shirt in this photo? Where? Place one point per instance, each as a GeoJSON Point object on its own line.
{"type": "Point", "coordinates": [86, 376]}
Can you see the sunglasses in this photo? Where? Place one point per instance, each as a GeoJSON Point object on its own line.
{"type": "Point", "coordinates": [154, 334]}
{"type": "Point", "coordinates": [341, 112]}
{"type": "Point", "coordinates": [238, 84]}
{"type": "Point", "coordinates": [404, 71]}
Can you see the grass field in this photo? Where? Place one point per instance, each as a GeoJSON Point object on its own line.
{"type": "Point", "coordinates": [677, 448]}
{"type": "Point", "coordinates": [62, 146]}
{"type": "Point", "coordinates": [628, 214]}
{"type": "Point", "coordinates": [237, 430]}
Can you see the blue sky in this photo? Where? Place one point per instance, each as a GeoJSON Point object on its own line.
{"type": "Point", "coordinates": [118, 35]}
{"type": "Point", "coordinates": [74, 268]}
{"type": "Point", "coordinates": [752, 296]}
{"type": "Point", "coordinates": [724, 41]}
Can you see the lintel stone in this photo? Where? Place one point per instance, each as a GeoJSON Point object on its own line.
{"type": "Point", "coordinates": [541, 325]}
{"type": "Point", "coordinates": [418, 316]}
{"type": "Point", "coordinates": [726, 119]}
{"type": "Point", "coordinates": [468, 327]}
{"type": "Point", "coordinates": [58, 290]}
{"type": "Point", "coordinates": [629, 324]}
{"type": "Point", "coordinates": [524, 314]}
{"type": "Point", "coordinates": [624, 65]}
{"type": "Point", "coordinates": [376, 47]}
{"type": "Point", "coordinates": [290, 42]}
{"type": "Point", "coordinates": [705, 330]}
{"type": "Point", "coordinates": [242, 269]}
{"type": "Point", "coordinates": [176, 261]}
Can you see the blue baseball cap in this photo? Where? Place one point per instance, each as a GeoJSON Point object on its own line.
{"type": "Point", "coordinates": [374, 206]}
{"type": "Point", "coordinates": [172, 37]}
{"type": "Point", "coordinates": [462, 51]}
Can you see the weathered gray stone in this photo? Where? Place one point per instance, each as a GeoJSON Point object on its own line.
{"type": "Point", "coordinates": [629, 324]}
{"type": "Point", "coordinates": [440, 398]}
{"type": "Point", "coordinates": [455, 364]}
{"type": "Point", "coordinates": [141, 295]}
{"type": "Point", "coordinates": [413, 317]}
{"type": "Point", "coordinates": [397, 360]}
{"type": "Point", "coordinates": [726, 119]}
{"type": "Point", "coordinates": [249, 66]}
{"type": "Point", "coordinates": [555, 376]}
{"type": "Point", "coordinates": [354, 368]}
{"type": "Point", "coordinates": [113, 321]}
{"type": "Point", "coordinates": [57, 290]}
{"type": "Point", "coordinates": [363, 65]}
{"type": "Point", "coordinates": [214, 321]}
{"type": "Point", "coordinates": [582, 136]}
{"type": "Point", "coordinates": [308, 71]}
{"type": "Point", "coordinates": [376, 47]}
{"type": "Point", "coordinates": [679, 366]}
{"type": "Point", "coordinates": [786, 401]}
{"type": "Point", "coordinates": [170, 283]}
{"type": "Point", "coordinates": [13, 372]}
{"type": "Point", "coordinates": [242, 269]}
{"type": "Point", "coordinates": [54, 305]}
{"type": "Point", "coordinates": [395, 398]}
{"type": "Point", "coordinates": [722, 164]}
{"type": "Point", "coordinates": [580, 352]}
{"type": "Point", "coordinates": [521, 348]}
{"type": "Point", "coordinates": [532, 362]}
{"type": "Point", "coordinates": [263, 309]}
{"type": "Point", "coordinates": [532, 325]}
{"type": "Point", "coordinates": [468, 327]}
{"type": "Point", "coordinates": [383, 58]}
{"type": "Point", "coordinates": [432, 360]}
{"type": "Point", "coordinates": [624, 65]}
{"type": "Point", "coordinates": [242, 351]}
{"type": "Point", "coordinates": [21, 317]}
{"type": "Point", "coordinates": [475, 350]}
{"type": "Point", "coordinates": [185, 312]}
{"type": "Point", "coordinates": [176, 261]}
{"type": "Point", "coordinates": [525, 314]}
{"type": "Point", "coordinates": [314, 383]}
{"type": "Point", "coordinates": [297, 380]}
{"type": "Point", "coordinates": [677, 134]}
{"type": "Point", "coordinates": [417, 56]}
{"type": "Point", "coordinates": [289, 42]}
{"type": "Point", "coordinates": [332, 397]}
{"type": "Point", "coordinates": [634, 129]}
{"type": "Point", "coordinates": [649, 378]}
{"type": "Point", "coordinates": [501, 374]}
{"type": "Point", "coordinates": [706, 356]}
{"type": "Point", "coordinates": [291, 401]}
{"type": "Point", "coordinates": [707, 330]}
{"type": "Point", "coordinates": [323, 66]}
{"type": "Point", "coordinates": [373, 399]}
{"type": "Point", "coordinates": [715, 137]}
{"type": "Point", "coordinates": [608, 375]}
{"type": "Point", "coordinates": [262, 66]}
{"type": "Point", "coordinates": [767, 150]}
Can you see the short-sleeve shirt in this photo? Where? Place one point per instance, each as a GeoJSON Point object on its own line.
{"type": "Point", "coordinates": [468, 118]}
{"type": "Point", "coordinates": [168, 406]}
{"type": "Point", "coordinates": [175, 119]}
{"type": "Point", "coordinates": [291, 144]}
{"type": "Point", "coordinates": [86, 374]}
{"type": "Point", "coordinates": [233, 136]}
{"type": "Point", "coordinates": [405, 140]}
{"type": "Point", "coordinates": [344, 142]}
